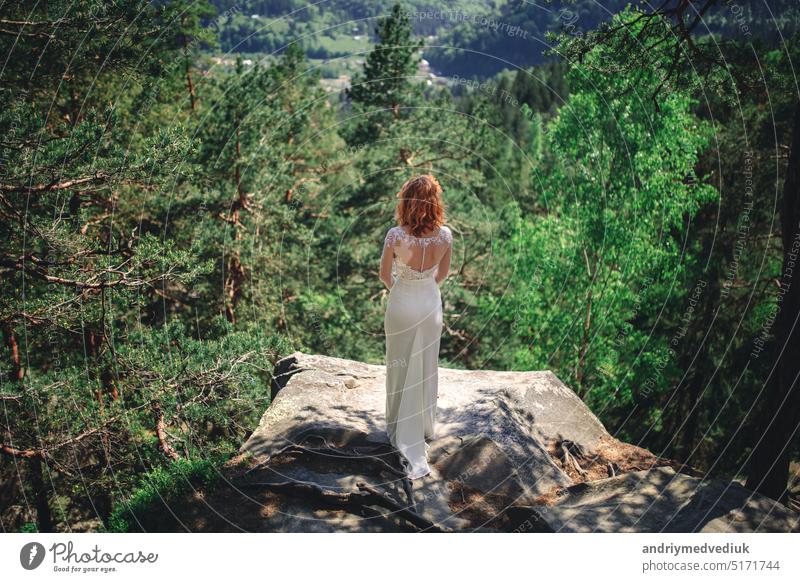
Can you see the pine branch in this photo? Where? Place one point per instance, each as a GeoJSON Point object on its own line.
{"type": "Point", "coordinates": [98, 177]}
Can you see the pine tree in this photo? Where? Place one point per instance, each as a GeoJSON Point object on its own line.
{"type": "Point", "coordinates": [72, 266]}
{"type": "Point", "coordinates": [386, 85]}
{"type": "Point", "coordinates": [256, 149]}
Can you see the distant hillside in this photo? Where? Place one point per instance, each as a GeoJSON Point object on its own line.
{"type": "Point", "coordinates": [466, 37]}
{"type": "Point", "coordinates": [516, 33]}
{"type": "Point", "coordinates": [328, 30]}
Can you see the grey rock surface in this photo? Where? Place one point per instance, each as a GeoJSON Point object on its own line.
{"type": "Point", "coordinates": [322, 446]}
{"type": "Point", "coordinates": [491, 426]}
{"type": "Point", "coordinates": [662, 500]}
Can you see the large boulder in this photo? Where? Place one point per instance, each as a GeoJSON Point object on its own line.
{"type": "Point", "coordinates": [514, 451]}
{"type": "Point", "coordinates": [493, 428]}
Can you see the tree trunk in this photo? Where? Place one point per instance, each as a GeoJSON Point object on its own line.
{"type": "Point", "coordinates": [697, 389]}
{"type": "Point", "coordinates": [580, 375]}
{"type": "Point", "coordinates": [17, 371]}
{"type": "Point", "coordinates": [235, 275]}
{"type": "Point", "coordinates": [769, 464]}
{"type": "Point", "coordinates": [188, 64]}
{"type": "Point", "coordinates": [44, 518]}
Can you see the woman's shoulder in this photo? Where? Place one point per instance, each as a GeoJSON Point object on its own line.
{"type": "Point", "coordinates": [447, 234]}
{"type": "Point", "coordinates": [392, 234]}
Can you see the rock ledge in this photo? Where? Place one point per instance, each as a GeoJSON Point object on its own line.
{"type": "Point", "coordinates": [514, 451]}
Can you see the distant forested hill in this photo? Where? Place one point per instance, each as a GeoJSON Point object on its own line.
{"type": "Point", "coordinates": [517, 32]}
{"type": "Point", "coordinates": [514, 35]}
{"type": "Point", "coordinates": [324, 30]}
{"type": "Point", "coordinates": [472, 37]}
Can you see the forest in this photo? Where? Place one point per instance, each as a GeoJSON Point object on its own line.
{"type": "Point", "coordinates": [183, 201]}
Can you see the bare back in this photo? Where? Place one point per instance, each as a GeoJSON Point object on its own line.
{"type": "Point", "coordinates": [419, 253]}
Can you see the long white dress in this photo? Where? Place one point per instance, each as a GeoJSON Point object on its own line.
{"type": "Point", "coordinates": [413, 327]}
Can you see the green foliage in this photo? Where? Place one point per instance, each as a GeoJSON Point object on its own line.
{"type": "Point", "coordinates": [592, 267]}
{"type": "Point", "coordinates": [159, 487]}
{"type": "Point", "coordinates": [118, 225]}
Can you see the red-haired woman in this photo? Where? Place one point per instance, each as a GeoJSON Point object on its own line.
{"type": "Point", "coordinates": [419, 249]}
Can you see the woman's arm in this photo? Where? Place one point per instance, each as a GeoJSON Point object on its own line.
{"type": "Point", "coordinates": [386, 265]}
{"type": "Point", "coordinates": [444, 265]}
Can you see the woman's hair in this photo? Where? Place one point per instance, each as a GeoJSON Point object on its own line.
{"type": "Point", "coordinates": [420, 206]}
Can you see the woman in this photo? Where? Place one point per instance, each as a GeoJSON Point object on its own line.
{"type": "Point", "coordinates": [419, 249]}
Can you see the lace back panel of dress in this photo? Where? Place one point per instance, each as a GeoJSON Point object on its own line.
{"type": "Point", "coordinates": [404, 243]}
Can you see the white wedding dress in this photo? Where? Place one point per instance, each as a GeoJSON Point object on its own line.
{"type": "Point", "coordinates": [413, 326]}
